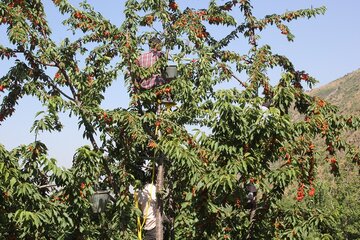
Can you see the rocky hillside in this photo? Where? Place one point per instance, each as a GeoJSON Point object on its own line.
{"type": "Point", "coordinates": [345, 94]}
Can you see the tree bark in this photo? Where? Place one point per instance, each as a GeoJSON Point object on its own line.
{"type": "Point", "coordinates": [252, 219]}
{"type": "Point", "coordinates": [159, 201]}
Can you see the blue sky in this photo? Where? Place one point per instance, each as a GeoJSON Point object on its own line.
{"type": "Point", "coordinates": [327, 47]}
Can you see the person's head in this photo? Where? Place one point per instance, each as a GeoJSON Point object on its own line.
{"type": "Point", "coordinates": [155, 43]}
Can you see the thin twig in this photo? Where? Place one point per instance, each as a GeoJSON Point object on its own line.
{"type": "Point", "coordinates": [241, 82]}
{"type": "Point", "coordinates": [47, 186]}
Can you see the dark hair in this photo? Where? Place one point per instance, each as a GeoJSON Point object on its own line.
{"type": "Point", "coordinates": [154, 42]}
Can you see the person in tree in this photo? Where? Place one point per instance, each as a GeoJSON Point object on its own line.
{"type": "Point", "coordinates": [149, 59]}
{"type": "Point", "coordinates": [147, 204]}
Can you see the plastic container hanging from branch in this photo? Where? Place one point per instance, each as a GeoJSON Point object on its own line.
{"type": "Point", "coordinates": [99, 200]}
{"type": "Point", "coordinates": [171, 72]}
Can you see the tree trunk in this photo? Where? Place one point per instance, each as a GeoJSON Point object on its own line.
{"type": "Point", "coordinates": [159, 201]}
{"type": "Point", "coordinates": [252, 221]}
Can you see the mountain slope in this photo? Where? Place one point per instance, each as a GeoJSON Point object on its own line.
{"type": "Point", "coordinates": [343, 92]}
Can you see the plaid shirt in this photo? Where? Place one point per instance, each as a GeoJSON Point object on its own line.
{"type": "Point", "coordinates": [146, 60]}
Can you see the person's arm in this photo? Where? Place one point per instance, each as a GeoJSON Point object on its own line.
{"type": "Point", "coordinates": [142, 198]}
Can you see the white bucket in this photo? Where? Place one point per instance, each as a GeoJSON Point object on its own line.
{"type": "Point", "coordinates": [171, 72]}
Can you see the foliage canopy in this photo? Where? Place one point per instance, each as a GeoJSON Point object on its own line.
{"type": "Point", "coordinates": [206, 171]}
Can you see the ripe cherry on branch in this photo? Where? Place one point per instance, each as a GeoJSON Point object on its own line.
{"type": "Point", "coordinates": [78, 15]}
{"type": "Point", "coordinates": [173, 5]}
{"type": "Point", "coordinates": [311, 191]}
{"type": "Point", "coordinates": [152, 144]}
{"type": "Point", "coordinates": [57, 75]}
{"type": "Point", "coordinates": [300, 192]}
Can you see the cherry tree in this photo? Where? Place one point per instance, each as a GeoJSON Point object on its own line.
{"type": "Point", "coordinates": [224, 156]}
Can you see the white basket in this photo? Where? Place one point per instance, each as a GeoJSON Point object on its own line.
{"type": "Point", "coordinates": [171, 72]}
{"type": "Point", "coordinates": [99, 200]}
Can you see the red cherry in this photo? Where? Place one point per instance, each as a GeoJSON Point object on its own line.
{"type": "Point", "coordinates": [312, 192]}
{"type": "Point", "coordinates": [173, 5]}
{"type": "Point", "coordinates": [57, 75]}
